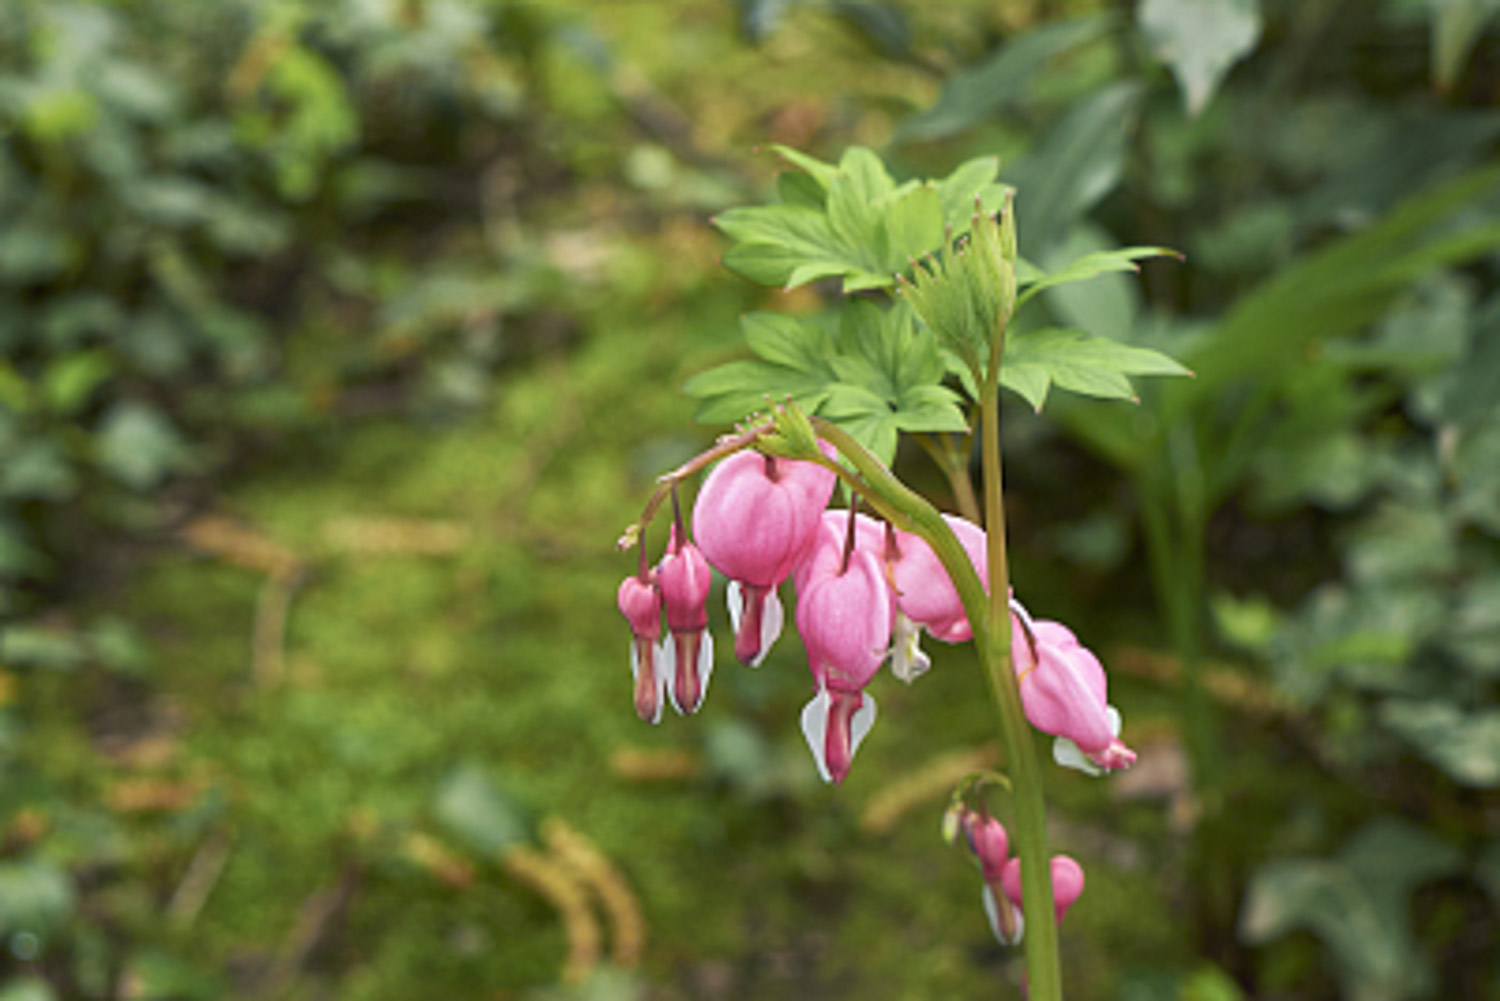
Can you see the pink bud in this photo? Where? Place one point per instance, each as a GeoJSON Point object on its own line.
{"type": "Point", "coordinates": [754, 518]}
{"type": "Point", "coordinates": [684, 578]}
{"type": "Point", "coordinates": [988, 841]}
{"type": "Point", "coordinates": [640, 603]}
{"type": "Point", "coordinates": [1067, 883]}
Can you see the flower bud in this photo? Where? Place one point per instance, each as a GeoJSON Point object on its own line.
{"type": "Point", "coordinates": [1067, 883]}
{"type": "Point", "coordinates": [688, 658]}
{"type": "Point", "coordinates": [639, 601]}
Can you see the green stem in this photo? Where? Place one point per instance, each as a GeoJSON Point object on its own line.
{"type": "Point", "coordinates": [1044, 971]}
{"type": "Point", "coordinates": [954, 462]}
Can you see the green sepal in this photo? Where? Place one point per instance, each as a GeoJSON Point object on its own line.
{"type": "Point", "coordinates": [793, 437]}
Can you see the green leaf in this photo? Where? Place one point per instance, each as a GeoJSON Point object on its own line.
{"type": "Point", "coordinates": [913, 225]}
{"type": "Point", "coordinates": [797, 343]}
{"type": "Point", "coordinates": [1108, 305]}
{"type": "Point", "coordinates": [930, 408]}
{"type": "Point", "coordinates": [866, 416]}
{"type": "Point", "coordinates": [1072, 359]}
{"type": "Point", "coordinates": [773, 241]}
{"type": "Point", "coordinates": [1093, 265]}
{"type": "Point", "coordinates": [863, 227]}
{"type": "Point", "coordinates": [734, 390]}
{"type": "Point", "coordinates": [1030, 382]}
{"type": "Point", "coordinates": [819, 171]}
{"type": "Point", "coordinates": [862, 169]}
{"type": "Point", "coordinates": [975, 92]}
{"type": "Point", "coordinates": [898, 356]}
{"type": "Point", "coordinates": [958, 190]}
{"type": "Point", "coordinates": [1199, 40]}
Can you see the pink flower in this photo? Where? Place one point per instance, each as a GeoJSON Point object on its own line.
{"type": "Point", "coordinates": [927, 598]}
{"type": "Point", "coordinates": [754, 519]}
{"type": "Point", "coordinates": [987, 840]}
{"type": "Point", "coordinates": [844, 612]}
{"type": "Point", "coordinates": [1067, 883]}
{"type": "Point", "coordinates": [1063, 690]}
{"type": "Point", "coordinates": [924, 591]}
{"type": "Point", "coordinates": [687, 661]}
{"type": "Point", "coordinates": [640, 602]}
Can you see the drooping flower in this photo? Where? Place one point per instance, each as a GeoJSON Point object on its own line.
{"type": "Point", "coordinates": [1063, 690]}
{"type": "Point", "coordinates": [639, 600]}
{"type": "Point", "coordinates": [989, 843]}
{"type": "Point", "coordinates": [754, 519]}
{"type": "Point", "coordinates": [1067, 883]}
{"type": "Point", "coordinates": [687, 659]}
{"type": "Point", "coordinates": [926, 597]}
{"type": "Point", "coordinates": [844, 613]}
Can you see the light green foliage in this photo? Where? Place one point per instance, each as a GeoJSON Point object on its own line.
{"type": "Point", "coordinates": [868, 368]}
{"type": "Point", "coordinates": [852, 221]}
{"type": "Point", "coordinates": [881, 374]}
{"type": "Point", "coordinates": [1035, 360]}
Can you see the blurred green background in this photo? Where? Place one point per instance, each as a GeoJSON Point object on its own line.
{"type": "Point", "coordinates": [339, 340]}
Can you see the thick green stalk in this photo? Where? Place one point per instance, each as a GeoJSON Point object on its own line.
{"type": "Point", "coordinates": [1042, 963]}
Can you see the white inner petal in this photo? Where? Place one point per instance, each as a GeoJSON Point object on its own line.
{"type": "Point", "coordinates": [992, 911]}
{"type": "Point", "coordinates": [1067, 754]}
{"type": "Point", "coordinates": [772, 619]}
{"type": "Point", "coordinates": [705, 664]}
{"type": "Point", "coordinates": [908, 661]}
{"type": "Point", "coordinates": [814, 727]}
{"type": "Point", "coordinates": [859, 725]}
{"type": "Point", "coordinates": [666, 668]}
{"type": "Point", "coordinates": [734, 597]}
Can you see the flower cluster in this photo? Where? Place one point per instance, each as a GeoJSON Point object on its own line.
{"type": "Point", "coordinates": [987, 839]}
{"type": "Point", "coordinates": [865, 594]}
